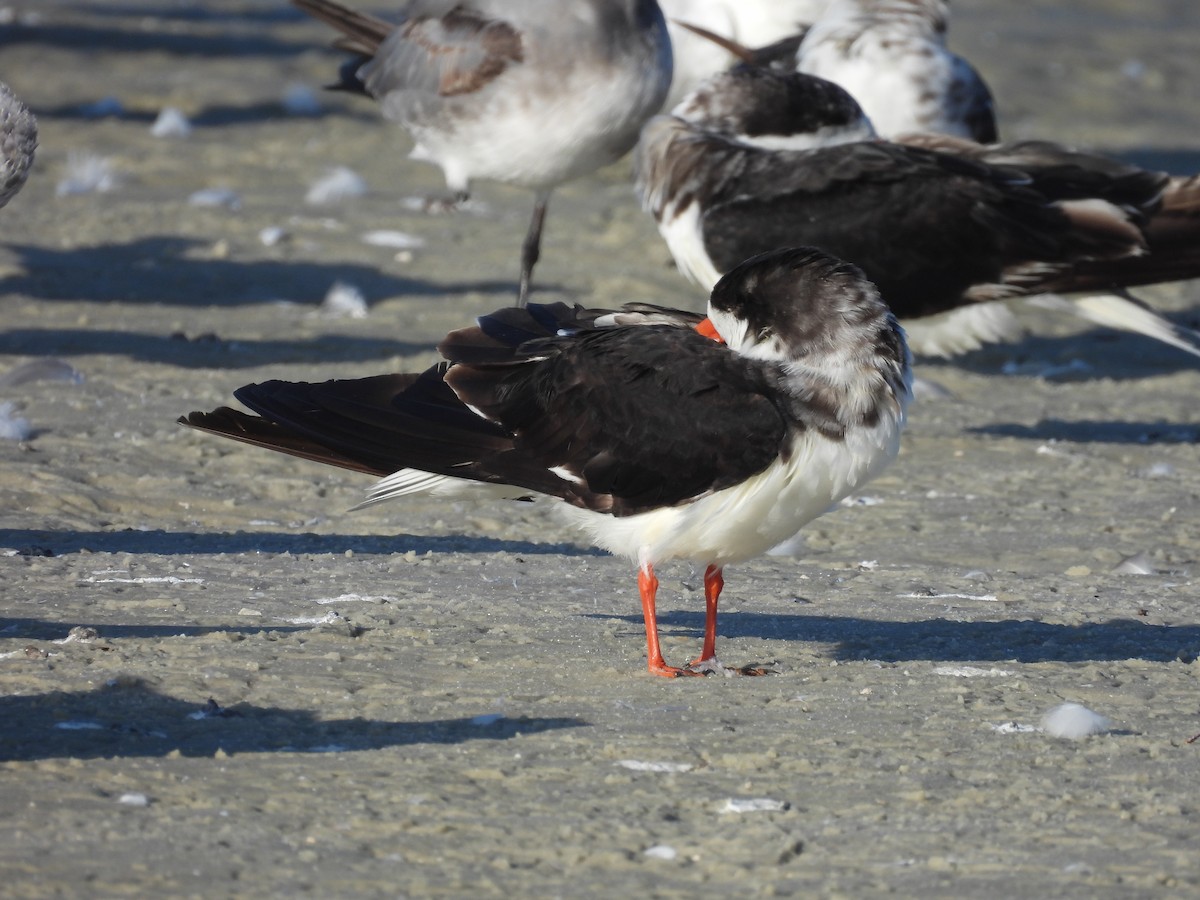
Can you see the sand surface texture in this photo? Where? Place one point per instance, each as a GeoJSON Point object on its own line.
{"type": "Point", "coordinates": [216, 681]}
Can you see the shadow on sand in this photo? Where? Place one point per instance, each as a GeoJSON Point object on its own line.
{"type": "Point", "coordinates": [942, 640]}
{"type": "Point", "coordinates": [130, 719]}
{"type": "Point", "coordinates": [35, 542]}
{"type": "Point", "coordinates": [1096, 432]}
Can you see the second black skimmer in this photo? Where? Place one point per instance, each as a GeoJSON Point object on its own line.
{"type": "Point", "coordinates": [758, 158]}
{"type": "Point", "coordinates": [530, 93]}
{"type": "Point", "coordinates": [659, 442]}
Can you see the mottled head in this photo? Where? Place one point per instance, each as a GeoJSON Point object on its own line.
{"type": "Point", "coordinates": [789, 304]}
{"type": "Point", "coordinates": [775, 109]}
{"type": "Point", "coordinates": [839, 350]}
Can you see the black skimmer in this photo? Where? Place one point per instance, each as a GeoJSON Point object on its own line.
{"type": "Point", "coordinates": [891, 56]}
{"type": "Point", "coordinates": [660, 443]}
{"type": "Point", "coordinates": [758, 158]}
{"type": "Point", "coordinates": [530, 93]}
{"type": "Point", "coordinates": [18, 141]}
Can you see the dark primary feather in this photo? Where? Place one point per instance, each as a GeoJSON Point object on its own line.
{"type": "Point", "coordinates": [260, 432]}
{"type": "Point", "coordinates": [1060, 172]}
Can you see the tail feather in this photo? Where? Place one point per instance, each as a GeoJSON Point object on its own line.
{"type": "Point", "coordinates": [1170, 251]}
{"type": "Point", "coordinates": [239, 426]}
{"type": "Point", "coordinates": [1125, 313]}
{"type": "Point", "coordinates": [1182, 195]}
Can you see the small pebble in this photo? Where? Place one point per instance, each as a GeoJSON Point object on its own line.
{"type": "Point", "coordinates": [216, 196]}
{"type": "Point", "coordinates": [337, 184]}
{"type": "Point", "coordinates": [752, 804]}
{"type": "Point", "coordinates": [638, 765]}
{"type": "Point", "coordinates": [397, 239]}
{"type": "Point", "coordinates": [344, 301]}
{"type": "Point", "coordinates": [660, 851]}
{"type": "Point", "coordinates": [1074, 722]}
{"type": "Point", "coordinates": [971, 672]}
{"type": "Point", "coordinates": [87, 173]}
{"type": "Point", "coordinates": [171, 122]}
{"type": "Point", "coordinates": [1138, 564]}
{"type": "Point", "coordinates": [300, 100]}
{"type": "Point", "coordinates": [12, 426]}
{"type": "Point", "coordinates": [44, 369]}
{"type": "Point", "coordinates": [272, 235]}
{"type": "Point", "coordinates": [1158, 470]}
{"type": "Point", "coordinates": [134, 799]}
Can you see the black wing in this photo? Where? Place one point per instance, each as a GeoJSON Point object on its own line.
{"type": "Point", "coordinates": [928, 228]}
{"type": "Point", "coordinates": [620, 419]}
{"type": "Point", "coordinates": [633, 417]}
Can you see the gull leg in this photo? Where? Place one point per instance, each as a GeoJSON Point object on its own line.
{"type": "Point", "coordinates": [532, 248]}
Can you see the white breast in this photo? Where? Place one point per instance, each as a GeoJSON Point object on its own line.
{"type": "Point", "coordinates": [746, 520]}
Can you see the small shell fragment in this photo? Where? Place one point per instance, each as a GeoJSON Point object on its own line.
{"type": "Point", "coordinates": [639, 765]}
{"type": "Point", "coordinates": [752, 804]}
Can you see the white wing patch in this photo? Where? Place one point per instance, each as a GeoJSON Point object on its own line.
{"type": "Point", "coordinates": [414, 481]}
{"type": "Point", "coordinates": [961, 330]}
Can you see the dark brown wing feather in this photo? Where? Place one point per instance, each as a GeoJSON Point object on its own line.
{"type": "Point", "coordinates": [361, 33]}
{"type": "Point", "coordinates": [437, 49]}
{"type": "Point", "coordinates": [442, 56]}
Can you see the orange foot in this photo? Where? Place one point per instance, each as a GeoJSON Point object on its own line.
{"type": "Point", "coordinates": [666, 671]}
{"type": "Point", "coordinates": [710, 666]}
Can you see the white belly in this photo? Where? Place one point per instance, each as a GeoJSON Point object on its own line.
{"type": "Point", "coordinates": [746, 520]}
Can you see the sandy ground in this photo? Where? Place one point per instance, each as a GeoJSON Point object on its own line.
{"type": "Point", "coordinates": [274, 697]}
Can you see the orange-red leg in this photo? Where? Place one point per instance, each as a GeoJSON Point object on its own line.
{"type": "Point", "coordinates": [714, 581]}
{"type": "Point", "coordinates": [648, 588]}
